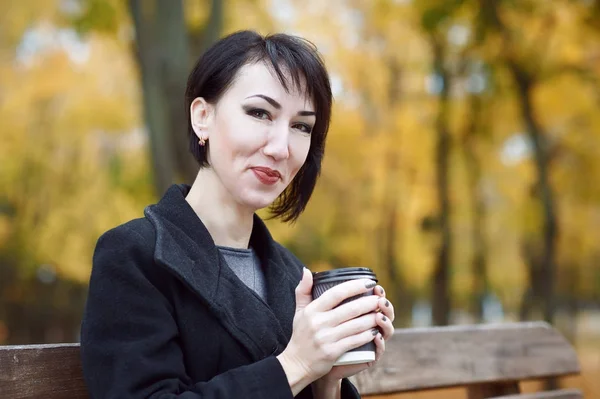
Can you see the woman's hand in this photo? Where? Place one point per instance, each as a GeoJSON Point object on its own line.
{"type": "Point", "coordinates": [323, 331]}
{"type": "Point", "coordinates": [384, 321]}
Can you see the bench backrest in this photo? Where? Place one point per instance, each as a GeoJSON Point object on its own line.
{"type": "Point", "coordinates": [41, 371]}
{"type": "Point", "coordinates": [489, 360]}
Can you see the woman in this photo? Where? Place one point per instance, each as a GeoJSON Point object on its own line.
{"type": "Point", "coordinates": [196, 299]}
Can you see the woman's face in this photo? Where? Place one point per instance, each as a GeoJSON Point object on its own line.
{"type": "Point", "coordinates": [259, 136]}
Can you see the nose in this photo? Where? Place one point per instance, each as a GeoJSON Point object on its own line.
{"type": "Point", "coordinates": [277, 145]}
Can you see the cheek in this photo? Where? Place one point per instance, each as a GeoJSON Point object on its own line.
{"type": "Point", "coordinates": [235, 136]}
{"type": "Point", "coordinates": [300, 147]}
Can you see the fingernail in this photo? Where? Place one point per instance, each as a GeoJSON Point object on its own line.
{"type": "Point", "coordinates": [375, 331]}
{"type": "Point", "coordinates": [382, 291]}
{"type": "Point", "coordinates": [383, 318]}
{"type": "Point", "coordinates": [371, 284]}
{"type": "Point", "coordinates": [387, 304]}
{"type": "Point", "coordinates": [381, 337]}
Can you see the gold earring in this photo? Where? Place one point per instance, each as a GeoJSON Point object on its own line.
{"type": "Point", "coordinates": [202, 141]}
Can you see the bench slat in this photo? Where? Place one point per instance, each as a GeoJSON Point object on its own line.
{"type": "Point", "coordinates": [484, 391]}
{"type": "Point", "coordinates": [561, 394]}
{"type": "Point", "coordinates": [35, 371]}
{"type": "Point", "coordinates": [439, 357]}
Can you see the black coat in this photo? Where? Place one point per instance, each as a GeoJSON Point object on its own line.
{"type": "Point", "coordinates": [166, 318]}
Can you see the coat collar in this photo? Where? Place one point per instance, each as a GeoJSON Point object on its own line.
{"type": "Point", "coordinates": [185, 247]}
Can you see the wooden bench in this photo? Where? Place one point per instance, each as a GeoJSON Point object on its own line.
{"type": "Point", "coordinates": [488, 360]}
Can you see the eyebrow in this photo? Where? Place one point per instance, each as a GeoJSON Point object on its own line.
{"type": "Point", "coordinates": [276, 105]}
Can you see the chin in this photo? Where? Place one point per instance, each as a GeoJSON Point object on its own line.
{"type": "Point", "coordinates": [256, 201]}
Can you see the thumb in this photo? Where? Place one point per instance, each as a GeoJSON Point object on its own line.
{"type": "Point", "coordinates": [304, 290]}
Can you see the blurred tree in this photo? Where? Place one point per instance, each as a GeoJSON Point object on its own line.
{"type": "Point", "coordinates": [167, 42]}
{"type": "Point", "coordinates": [390, 230]}
{"type": "Point", "coordinates": [472, 70]}
{"type": "Point", "coordinates": [68, 114]}
{"type": "Point", "coordinates": [474, 128]}
{"type": "Point", "coordinates": [525, 79]}
{"type": "Point", "coordinates": [440, 289]}
{"type": "Point", "coordinates": [166, 48]}
{"type": "Point", "coordinates": [525, 72]}
{"type": "Point", "coordinates": [433, 17]}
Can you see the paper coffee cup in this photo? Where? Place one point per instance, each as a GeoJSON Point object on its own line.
{"type": "Point", "coordinates": [322, 281]}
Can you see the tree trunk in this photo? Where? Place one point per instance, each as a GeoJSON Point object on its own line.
{"type": "Point", "coordinates": [544, 189]}
{"type": "Point", "coordinates": [479, 261]}
{"type": "Point", "coordinates": [213, 29]}
{"type": "Point", "coordinates": [441, 295]}
{"type": "Point", "coordinates": [146, 19]}
{"type": "Point", "coordinates": [398, 292]}
{"type": "Point", "coordinates": [525, 83]}
{"type": "Point", "coordinates": [165, 51]}
{"type": "Point", "coordinates": [175, 56]}
{"type": "Point", "coordinates": [570, 330]}
{"type": "Point", "coordinates": [530, 302]}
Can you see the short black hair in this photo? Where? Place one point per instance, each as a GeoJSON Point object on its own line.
{"type": "Point", "coordinates": [289, 57]}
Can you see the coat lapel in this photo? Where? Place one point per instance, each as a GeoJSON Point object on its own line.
{"type": "Point", "coordinates": [185, 247]}
{"type": "Point", "coordinates": [282, 276]}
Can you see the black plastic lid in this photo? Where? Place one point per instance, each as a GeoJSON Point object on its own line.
{"type": "Point", "coordinates": [346, 273]}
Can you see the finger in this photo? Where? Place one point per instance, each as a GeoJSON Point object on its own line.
{"type": "Point", "coordinates": [353, 309]}
{"type": "Point", "coordinates": [354, 341]}
{"type": "Point", "coordinates": [385, 325]}
{"type": "Point", "coordinates": [379, 291]}
{"type": "Point", "coordinates": [334, 296]}
{"type": "Point", "coordinates": [303, 290]}
{"type": "Point", "coordinates": [379, 346]}
{"type": "Point", "coordinates": [354, 326]}
{"type": "Point", "coordinates": [387, 308]}
{"type": "Point", "coordinates": [379, 349]}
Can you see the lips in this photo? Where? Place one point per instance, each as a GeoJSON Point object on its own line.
{"type": "Point", "coordinates": [266, 175]}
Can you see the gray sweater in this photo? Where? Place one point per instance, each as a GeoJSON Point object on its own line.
{"type": "Point", "coordinates": [246, 265]}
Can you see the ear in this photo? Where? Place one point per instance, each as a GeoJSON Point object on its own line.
{"type": "Point", "coordinates": [201, 114]}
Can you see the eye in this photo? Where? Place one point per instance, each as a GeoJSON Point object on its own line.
{"type": "Point", "coordinates": [303, 127]}
{"type": "Point", "coordinates": [258, 113]}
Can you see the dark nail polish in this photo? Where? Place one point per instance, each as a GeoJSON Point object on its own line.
{"type": "Point", "coordinates": [375, 331]}
{"type": "Point", "coordinates": [381, 337]}
{"type": "Point", "coordinates": [382, 291]}
{"type": "Point", "coordinates": [383, 318]}
{"type": "Point", "coordinates": [371, 284]}
{"type": "Point", "coordinates": [387, 304]}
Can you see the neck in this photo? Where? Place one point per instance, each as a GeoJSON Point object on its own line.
{"type": "Point", "coordinates": [228, 223]}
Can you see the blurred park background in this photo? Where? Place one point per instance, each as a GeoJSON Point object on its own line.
{"type": "Point", "coordinates": [462, 165]}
